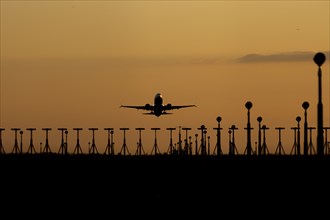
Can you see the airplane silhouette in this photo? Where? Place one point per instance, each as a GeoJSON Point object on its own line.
{"type": "Point", "coordinates": [158, 108]}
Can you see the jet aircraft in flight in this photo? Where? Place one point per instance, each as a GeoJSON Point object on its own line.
{"type": "Point", "coordinates": [158, 108]}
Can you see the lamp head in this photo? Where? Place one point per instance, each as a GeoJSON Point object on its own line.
{"type": "Point", "coordinates": [305, 105]}
{"type": "Point", "coordinates": [259, 119]}
{"type": "Point", "coordinates": [298, 118]}
{"type": "Point", "coordinates": [248, 105]}
{"type": "Point", "coordinates": [319, 58]}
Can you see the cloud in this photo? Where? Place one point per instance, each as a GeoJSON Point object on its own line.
{"type": "Point", "coordinates": [280, 57]}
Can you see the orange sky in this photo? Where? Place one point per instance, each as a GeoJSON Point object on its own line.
{"type": "Point", "coordinates": [73, 63]}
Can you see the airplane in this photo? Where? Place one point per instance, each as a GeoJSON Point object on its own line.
{"type": "Point", "coordinates": [158, 108]}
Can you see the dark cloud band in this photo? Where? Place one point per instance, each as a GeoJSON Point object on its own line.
{"type": "Point", "coordinates": [280, 57]}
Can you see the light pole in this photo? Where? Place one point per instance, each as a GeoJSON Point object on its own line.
{"type": "Point", "coordinates": [21, 132]}
{"type": "Point", "coordinates": [319, 59]}
{"type": "Point", "coordinates": [305, 105]}
{"type": "Point", "coordinates": [248, 106]}
{"type": "Point", "coordinates": [218, 145]}
{"type": "Point", "coordinates": [259, 119]}
{"type": "Point", "coordinates": [298, 119]}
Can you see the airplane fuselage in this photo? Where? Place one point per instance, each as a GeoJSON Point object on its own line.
{"type": "Point", "coordinates": [158, 105]}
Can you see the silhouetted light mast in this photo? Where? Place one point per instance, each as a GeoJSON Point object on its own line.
{"type": "Point", "coordinates": [305, 105]}
{"type": "Point", "coordinates": [319, 59]}
{"type": "Point", "coordinates": [218, 144]}
{"type": "Point", "coordinates": [66, 141]}
{"type": "Point", "coordinates": [112, 148]}
{"type": "Point", "coordinates": [93, 148]}
{"type": "Point", "coordinates": [294, 147]}
{"type": "Point", "coordinates": [16, 149]}
{"type": "Point", "coordinates": [124, 147]}
{"type": "Point", "coordinates": [279, 149]}
{"type": "Point", "coordinates": [31, 148]}
{"type": "Point", "coordinates": [196, 144]}
{"type": "Point", "coordinates": [298, 119]}
{"type": "Point", "coordinates": [248, 106]}
{"type": "Point", "coordinates": [232, 146]}
{"type": "Point", "coordinates": [186, 142]}
{"type": "Point", "coordinates": [259, 119]}
{"type": "Point", "coordinates": [47, 147]}
{"type": "Point", "coordinates": [2, 149]}
{"type": "Point", "coordinates": [203, 140]}
{"type": "Point", "coordinates": [311, 148]}
{"type": "Point", "coordinates": [326, 143]}
{"type": "Point", "coordinates": [139, 148]}
{"type": "Point", "coordinates": [264, 148]}
{"type": "Point", "coordinates": [21, 144]}
{"type": "Point", "coordinates": [155, 148]}
{"type": "Point", "coordinates": [170, 147]}
{"type": "Point", "coordinates": [109, 147]}
{"type": "Point", "coordinates": [62, 149]}
{"type": "Point", "coordinates": [77, 149]}
{"type": "Point", "coordinates": [179, 150]}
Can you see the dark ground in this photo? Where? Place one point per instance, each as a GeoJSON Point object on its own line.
{"type": "Point", "coordinates": [88, 185]}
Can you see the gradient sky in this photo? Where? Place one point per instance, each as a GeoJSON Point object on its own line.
{"type": "Point", "coordinates": [73, 63]}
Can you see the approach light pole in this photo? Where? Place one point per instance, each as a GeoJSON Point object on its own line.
{"type": "Point", "coordinates": [219, 151]}
{"type": "Point", "coordinates": [298, 119]}
{"type": "Point", "coordinates": [319, 59]}
{"type": "Point", "coordinates": [248, 106]}
{"type": "Point", "coordinates": [259, 119]}
{"type": "Point", "coordinates": [305, 105]}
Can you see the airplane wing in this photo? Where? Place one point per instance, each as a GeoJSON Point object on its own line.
{"type": "Point", "coordinates": [136, 107]}
{"type": "Point", "coordinates": [140, 107]}
{"type": "Point", "coordinates": [171, 107]}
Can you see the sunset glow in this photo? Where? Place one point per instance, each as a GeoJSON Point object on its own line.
{"type": "Point", "coordinates": [73, 63]}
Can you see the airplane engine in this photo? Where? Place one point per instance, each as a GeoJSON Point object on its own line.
{"type": "Point", "coordinates": [168, 107]}
{"type": "Point", "coordinates": [148, 107]}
